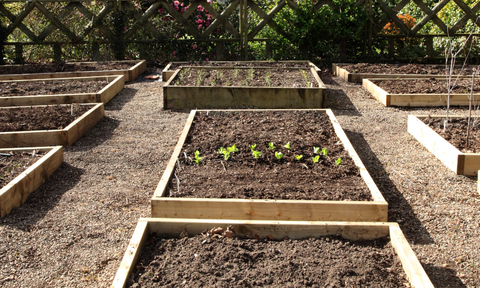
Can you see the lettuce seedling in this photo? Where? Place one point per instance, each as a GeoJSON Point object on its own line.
{"type": "Point", "coordinates": [298, 157]}
{"type": "Point", "coordinates": [271, 146]}
{"type": "Point", "coordinates": [252, 147]}
{"type": "Point", "coordinates": [197, 157]}
{"type": "Point", "coordinates": [338, 161]}
{"type": "Point", "coordinates": [232, 149]}
{"type": "Point", "coordinates": [257, 154]}
{"type": "Point", "coordinates": [221, 150]}
{"type": "Point", "coordinates": [288, 146]}
{"type": "Point", "coordinates": [316, 150]}
{"type": "Point", "coordinates": [279, 155]}
{"type": "Point", "coordinates": [316, 158]}
{"type": "Point", "coordinates": [324, 151]}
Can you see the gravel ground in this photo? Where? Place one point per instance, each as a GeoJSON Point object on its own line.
{"type": "Point", "coordinates": [73, 231]}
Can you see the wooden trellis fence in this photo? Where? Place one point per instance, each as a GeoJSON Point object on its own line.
{"type": "Point", "coordinates": [240, 31]}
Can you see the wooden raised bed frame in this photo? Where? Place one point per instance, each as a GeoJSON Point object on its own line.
{"type": "Point", "coordinates": [415, 99]}
{"type": "Point", "coordinates": [358, 77]}
{"type": "Point", "coordinates": [459, 162]}
{"type": "Point", "coordinates": [66, 136]}
{"type": "Point", "coordinates": [257, 209]}
{"type": "Point", "coordinates": [103, 96]}
{"type": "Point", "coordinates": [207, 97]}
{"type": "Point", "coordinates": [16, 192]}
{"type": "Point", "coordinates": [130, 74]}
{"type": "Point", "coordinates": [278, 229]}
{"type": "Point", "coordinates": [167, 73]}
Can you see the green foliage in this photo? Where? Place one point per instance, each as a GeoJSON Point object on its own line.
{"type": "Point", "coordinates": [338, 161]}
{"type": "Point", "coordinates": [287, 146]}
{"type": "Point", "coordinates": [252, 147]}
{"type": "Point", "coordinates": [316, 159]}
{"type": "Point", "coordinates": [325, 151]}
{"type": "Point", "coordinates": [298, 157]}
{"type": "Point", "coordinates": [233, 148]}
{"type": "Point", "coordinates": [279, 155]}
{"type": "Point", "coordinates": [256, 154]}
{"type": "Point", "coordinates": [197, 157]}
{"type": "Point", "coordinates": [271, 146]}
{"type": "Point", "coordinates": [316, 150]}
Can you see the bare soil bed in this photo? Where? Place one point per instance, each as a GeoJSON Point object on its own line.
{"type": "Point", "coordinates": [40, 118]}
{"type": "Point", "coordinates": [424, 86]}
{"type": "Point", "coordinates": [456, 132]}
{"type": "Point", "coordinates": [244, 177]}
{"type": "Point", "coordinates": [400, 69]}
{"type": "Point", "coordinates": [50, 87]}
{"type": "Point", "coordinates": [257, 77]}
{"type": "Point", "coordinates": [273, 64]}
{"type": "Point", "coordinates": [208, 259]}
{"type": "Point", "coordinates": [11, 166]}
{"type": "Point", "coordinates": [61, 67]}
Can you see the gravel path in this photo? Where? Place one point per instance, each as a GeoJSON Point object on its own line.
{"type": "Point", "coordinates": [73, 231]}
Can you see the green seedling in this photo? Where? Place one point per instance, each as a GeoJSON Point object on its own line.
{"type": "Point", "coordinates": [298, 157]}
{"type": "Point", "coordinates": [252, 147]}
{"type": "Point", "coordinates": [197, 157]}
{"type": "Point", "coordinates": [257, 154]}
{"type": "Point", "coordinates": [271, 146]}
{"type": "Point", "coordinates": [226, 155]}
{"type": "Point", "coordinates": [324, 151]}
{"type": "Point", "coordinates": [316, 150]}
{"type": "Point", "coordinates": [200, 77]}
{"type": "Point", "coordinates": [306, 78]}
{"type": "Point", "coordinates": [221, 150]}
{"type": "Point", "coordinates": [338, 161]}
{"type": "Point", "coordinates": [316, 158]}
{"type": "Point", "coordinates": [288, 146]}
{"type": "Point", "coordinates": [235, 73]}
{"type": "Point", "coordinates": [232, 149]}
{"type": "Point", "coordinates": [279, 155]}
{"type": "Point", "coordinates": [268, 79]}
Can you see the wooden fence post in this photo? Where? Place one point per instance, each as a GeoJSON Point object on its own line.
{"type": "Point", "coordinates": [18, 53]}
{"type": "Point", "coordinates": [96, 55]}
{"type": "Point", "coordinates": [268, 50]}
{"type": "Point", "coordinates": [57, 52]}
{"type": "Point", "coordinates": [142, 50]}
{"type": "Point", "coordinates": [220, 51]}
{"type": "Point", "coordinates": [430, 51]}
{"type": "Point", "coordinates": [391, 47]}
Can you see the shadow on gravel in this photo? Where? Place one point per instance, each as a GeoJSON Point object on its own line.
{"type": "Point", "coordinates": [338, 101]}
{"type": "Point", "coordinates": [96, 135]}
{"type": "Point", "coordinates": [399, 210]}
{"type": "Point", "coordinates": [444, 277]}
{"type": "Point", "coordinates": [122, 98]}
{"type": "Point", "coordinates": [44, 198]}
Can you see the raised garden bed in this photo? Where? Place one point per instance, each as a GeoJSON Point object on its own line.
{"type": "Point", "coordinates": [420, 92]}
{"type": "Point", "coordinates": [241, 87]}
{"type": "Point", "coordinates": [171, 67]}
{"type": "Point", "coordinates": [14, 193]}
{"type": "Point", "coordinates": [285, 243]}
{"type": "Point", "coordinates": [47, 125]}
{"type": "Point", "coordinates": [357, 72]}
{"type": "Point", "coordinates": [243, 187]}
{"type": "Point", "coordinates": [130, 69]}
{"type": "Point", "coordinates": [462, 163]}
{"type": "Point", "coordinates": [98, 89]}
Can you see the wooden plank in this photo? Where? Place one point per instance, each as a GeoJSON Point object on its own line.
{"type": "Point", "coordinates": [454, 159]}
{"type": "Point", "coordinates": [255, 209]}
{"type": "Point", "coordinates": [104, 95]}
{"type": "Point", "coordinates": [65, 136]}
{"type": "Point", "coordinates": [279, 230]}
{"type": "Point", "coordinates": [431, 99]}
{"type": "Point", "coordinates": [16, 192]}
{"type": "Point", "coordinates": [136, 70]}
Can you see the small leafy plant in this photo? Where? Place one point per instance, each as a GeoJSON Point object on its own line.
{"type": "Point", "coordinates": [338, 161]}
{"type": "Point", "coordinates": [233, 148]}
{"type": "Point", "coordinates": [268, 79]}
{"type": "Point", "coordinates": [298, 157]}
{"type": "Point", "coordinates": [306, 78]}
{"type": "Point", "coordinates": [200, 76]}
{"type": "Point", "coordinates": [252, 147]}
{"type": "Point", "coordinates": [287, 146]}
{"type": "Point", "coordinates": [235, 73]}
{"type": "Point", "coordinates": [325, 151]}
{"type": "Point", "coordinates": [257, 154]}
{"type": "Point", "coordinates": [315, 159]}
{"type": "Point", "coordinates": [197, 157]}
{"type": "Point", "coordinates": [316, 150]}
{"type": "Point", "coordinates": [279, 155]}
{"type": "Point", "coordinates": [271, 146]}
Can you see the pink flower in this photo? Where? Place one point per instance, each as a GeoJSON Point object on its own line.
{"type": "Point", "coordinates": [207, 59]}
{"type": "Point", "coordinates": [124, 28]}
{"type": "Point", "coordinates": [209, 1]}
{"type": "Point", "coordinates": [176, 3]}
{"type": "Point", "coordinates": [174, 52]}
{"type": "Point", "coordinates": [176, 8]}
{"type": "Point", "coordinates": [207, 24]}
{"type": "Point", "coordinates": [194, 46]}
{"type": "Point", "coordinates": [160, 11]}
{"type": "Point", "coordinates": [199, 21]}
{"type": "Point", "coordinates": [200, 26]}
{"type": "Point", "coordinates": [181, 4]}
{"type": "Point", "coordinates": [218, 30]}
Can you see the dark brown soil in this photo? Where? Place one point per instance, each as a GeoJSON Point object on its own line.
{"type": "Point", "coordinates": [242, 176]}
{"type": "Point", "coordinates": [11, 166]}
{"type": "Point", "coordinates": [401, 69]}
{"type": "Point", "coordinates": [456, 132]}
{"type": "Point", "coordinates": [50, 87]}
{"type": "Point", "coordinates": [40, 118]}
{"type": "Point", "coordinates": [253, 77]}
{"type": "Point", "coordinates": [273, 64]}
{"type": "Point", "coordinates": [62, 67]}
{"type": "Point", "coordinates": [425, 86]}
{"type": "Point", "coordinates": [207, 261]}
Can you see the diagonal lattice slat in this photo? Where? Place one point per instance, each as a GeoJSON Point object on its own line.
{"type": "Point", "coordinates": [17, 21]}
{"type": "Point", "coordinates": [430, 15]}
{"type": "Point", "coordinates": [50, 28]}
{"type": "Point", "coordinates": [393, 15]}
{"type": "Point", "coordinates": [96, 20]}
{"type": "Point", "coordinates": [142, 20]}
{"type": "Point", "coordinates": [177, 16]}
{"type": "Point", "coordinates": [462, 22]}
{"type": "Point", "coordinates": [266, 18]}
{"type": "Point", "coordinates": [56, 22]}
{"type": "Point", "coordinates": [384, 22]}
{"type": "Point", "coordinates": [220, 18]}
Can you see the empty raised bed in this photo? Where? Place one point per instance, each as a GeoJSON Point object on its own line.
{"type": "Point", "coordinates": [194, 253]}
{"type": "Point", "coordinates": [421, 92]}
{"type": "Point", "coordinates": [453, 156]}
{"type": "Point", "coordinates": [31, 126]}
{"type": "Point", "coordinates": [45, 161]}
{"type": "Point", "coordinates": [60, 90]}
{"type": "Point", "coordinates": [130, 69]}
{"type": "Point", "coordinates": [241, 87]}
{"type": "Point", "coordinates": [244, 187]}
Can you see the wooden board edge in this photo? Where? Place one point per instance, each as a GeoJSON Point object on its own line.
{"type": "Point", "coordinates": [378, 93]}
{"type": "Point", "coordinates": [376, 194]}
{"type": "Point", "coordinates": [412, 267]}
{"type": "Point", "coordinates": [37, 100]}
{"type": "Point", "coordinates": [16, 191]}
{"type": "Point", "coordinates": [136, 70]}
{"type": "Point", "coordinates": [133, 251]}
{"type": "Point", "coordinates": [18, 138]}
{"type": "Point", "coordinates": [81, 125]}
{"type": "Point", "coordinates": [111, 90]}
{"type": "Point", "coordinates": [167, 174]}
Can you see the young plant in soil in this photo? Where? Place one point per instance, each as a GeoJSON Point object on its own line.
{"type": "Point", "coordinates": [200, 76]}
{"type": "Point", "coordinates": [256, 154]}
{"type": "Point", "coordinates": [316, 159]}
{"type": "Point", "coordinates": [325, 151]}
{"type": "Point", "coordinates": [298, 157]}
{"type": "Point", "coordinates": [271, 146]}
{"type": "Point", "coordinates": [268, 79]}
{"type": "Point", "coordinates": [306, 78]}
{"type": "Point", "coordinates": [279, 155]}
{"type": "Point", "coordinates": [287, 146]}
{"type": "Point", "coordinates": [338, 161]}
{"type": "Point", "coordinates": [224, 152]}
{"type": "Point", "coordinates": [235, 73]}
{"type": "Point", "coordinates": [316, 150]}
{"type": "Point", "coordinates": [252, 147]}
{"type": "Point", "coordinates": [197, 157]}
